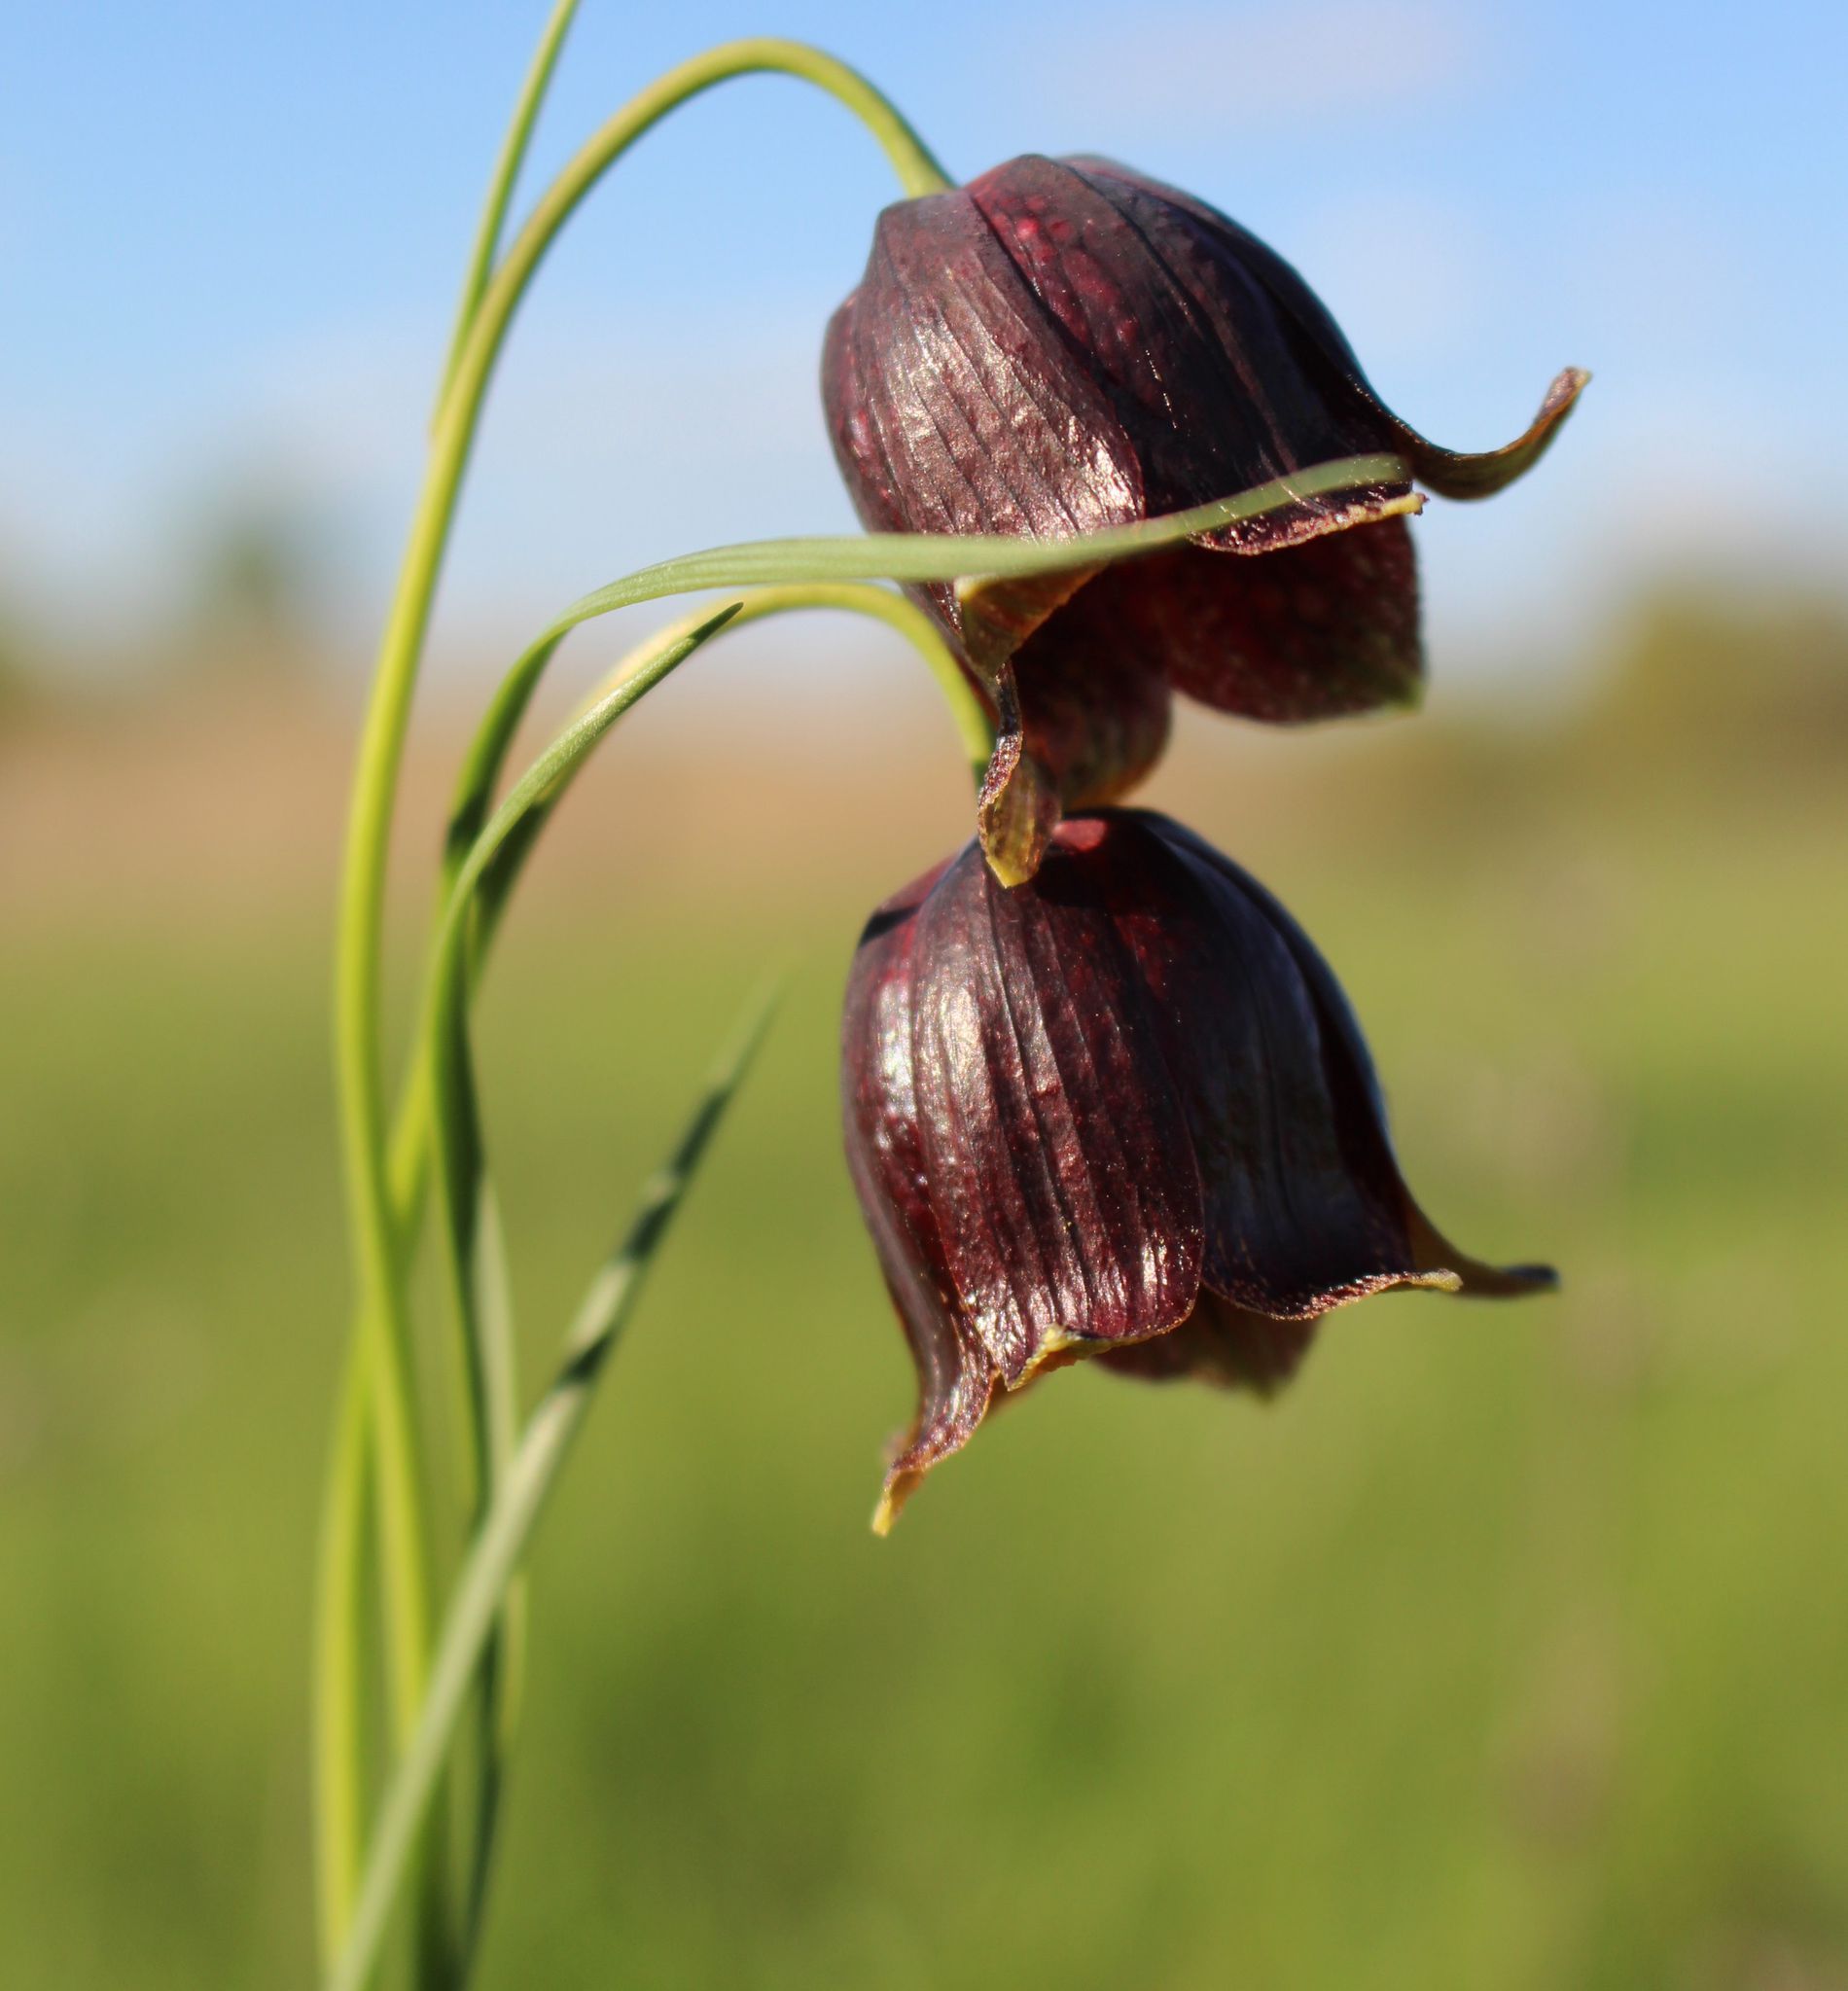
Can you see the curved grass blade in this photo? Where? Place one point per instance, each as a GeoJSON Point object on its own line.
{"type": "Point", "coordinates": [341, 1770]}
{"type": "Point", "coordinates": [473, 1253]}
{"type": "Point", "coordinates": [817, 566]}
{"type": "Point", "coordinates": [495, 1554]}
{"type": "Point", "coordinates": [918, 557]}
{"type": "Point", "coordinates": [500, 187]}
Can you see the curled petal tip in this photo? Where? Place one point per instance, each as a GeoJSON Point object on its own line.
{"type": "Point", "coordinates": [1463, 474]}
{"type": "Point", "coordinates": [1505, 1282]}
{"type": "Point", "coordinates": [1440, 1265]}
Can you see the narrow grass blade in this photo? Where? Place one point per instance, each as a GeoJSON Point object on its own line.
{"type": "Point", "coordinates": [494, 1557]}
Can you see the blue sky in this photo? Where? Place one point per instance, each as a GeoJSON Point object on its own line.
{"type": "Point", "coordinates": [231, 237]}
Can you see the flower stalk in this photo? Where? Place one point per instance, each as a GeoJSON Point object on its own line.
{"type": "Point", "coordinates": [982, 591]}
{"type": "Point", "coordinates": [382, 1390]}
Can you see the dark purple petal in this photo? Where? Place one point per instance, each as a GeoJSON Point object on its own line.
{"type": "Point", "coordinates": [951, 409]}
{"type": "Point", "coordinates": [1292, 1229]}
{"type": "Point", "coordinates": [956, 1378]}
{"type": "Point", "coordinates": [1203, 245]}
{"type": "Point", "coordinates": [1216, 388]}
{"type": "Point", "coordinates": [1310, 631]}
{"type": "Point", "coordinates": [1424, 1256]}
{"type": "Point", "coordinates": [1096, 715]}
{"type": "Point", "coordinates": [1218, 1343]}
{"type": "Point", "coordinates": [1054, 1149]}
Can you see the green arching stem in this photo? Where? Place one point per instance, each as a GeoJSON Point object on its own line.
{"type": "Point", "coordinates": [470, 1225]}
{"type": "Point", "coordinates": [500, 186]}
{"type": "Point", "coordinates": [974, 733]}
{"type": "Point", "coordinates": [382, 741]}
{"type": "Point", "coordinates": [469, 916]}
{"type": "Point", "coordinates": [487, 750]}
{"type": "Point", "coordinates": [410, 1143]}
{"type": "Point", "coordinates": [385, 1368]}
{"type": "Point", "coordinates": [339, 1664]}
{"type": "Point", "coordinates": [441, 1034]}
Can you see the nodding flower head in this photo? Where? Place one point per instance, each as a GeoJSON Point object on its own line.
{"type": "Point", "coordinates": [1063, 345]}
{"type": "Point", "coordinates": [1121, 1111]}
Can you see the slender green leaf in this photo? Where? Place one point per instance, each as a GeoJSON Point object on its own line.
{"type": "Point", "coordinates": [920, 556]}
{"type": "Point", "coordinates": [473, 1253]}
{"type": "Point", "coordinates": [501, 182]}
{"type": "Point", "coordinates": [495, 1554]}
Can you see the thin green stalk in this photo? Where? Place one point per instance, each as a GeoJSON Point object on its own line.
{"type": "Point", "coordinates": [476, 1277]}
{"type": "Point", "coordinates": [340, 1673]}
{"type": "Point", "coordinates": [501, 182]}
{"type": "Point", "coordinates": [494, 1557]}
{"type": "Point", "coordinates": [470, 1226]}
{"type": "Point", "coordinates": [341, 1802]}
{"type": "Point", "coordinates": [469, 915]}
{"type": "Point", "coordinates": [383, 1327]}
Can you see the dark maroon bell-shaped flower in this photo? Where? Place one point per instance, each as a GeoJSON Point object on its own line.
{"type": "Point", "coordinates": [1122, 1109]}
{"type": "Point", "coordinates": [1063, 345]}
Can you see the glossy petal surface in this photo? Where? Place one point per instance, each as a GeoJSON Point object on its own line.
{"type": "Point", "coordinates": [1066, 344]}
{"type": "Point", "coordinates": [956, 1378]}
{"type": "Point", "coordinates": [1412, 1251]}
{"type": "Point", "coordinates": [1053, 1143]}
{"type": "Point", "coordinates": [1311, 631]}
{"type": "Point", "coordinates": [1121, 1110]}
{"type": "Point", "coordinates": [1222, 1344]}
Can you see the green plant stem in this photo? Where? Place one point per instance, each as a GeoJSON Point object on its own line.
{"type": "Point", "coordinates": [340, 1682]}
{"type": "Point", "coordinates": [495, 1554]}
{"type": "Point", "coordinates": [501, 182]}
{"type": "Point", "coordinates": [385, 1368]}
{"type": "Point", "coordinates": [468, 920]}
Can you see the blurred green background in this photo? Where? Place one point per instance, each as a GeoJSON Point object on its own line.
{"type": "Point", "coordinates": [1510, 1647]}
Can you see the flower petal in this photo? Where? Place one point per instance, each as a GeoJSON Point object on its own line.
{"type": "Point", "coordinates": [1208, 376]}
{"type": "Point", "coordinates": [1293, 1226]}
{"type": "Point", "coordinates": [1200, 240]}
{"type": "Point", "coordinates": [1098, 708]}
{"type": "Point", "coordinates": [1220, 1343]}
{"type": "Point", "coordinates": [1311, 631]}
{"type": "Point", "coordinates": [1054, 1151]}
{"type": "Point", "coordinates": [956, 1379]}
{"type": "Point", "coordinates": [1480, 474]}
{"type": "Point", "coordinates": [1412, 1251]}
{"type": "Point", "coordinates": [955, 408]}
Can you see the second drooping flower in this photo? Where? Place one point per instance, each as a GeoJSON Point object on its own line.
{"type": "Point", "coordinates": [1121, 1111]}
{"type": "Point", "coordinates": [1063, 345]}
